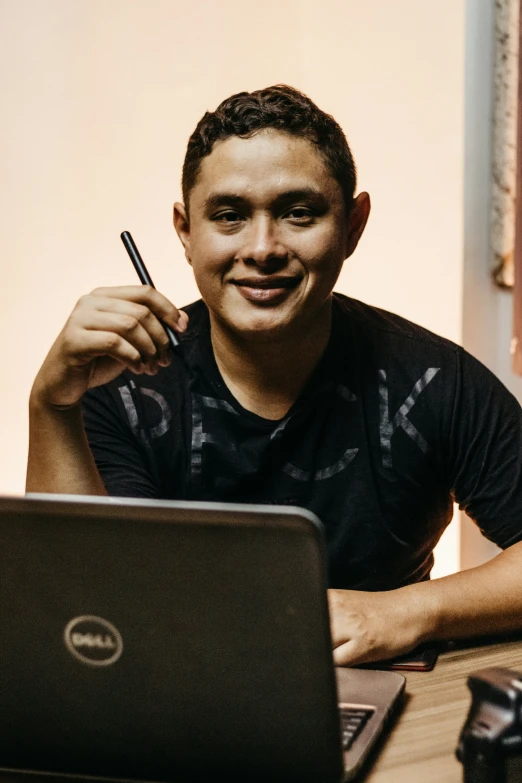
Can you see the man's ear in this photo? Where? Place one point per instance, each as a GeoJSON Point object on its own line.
{"type": "Point", "coordinates": [357, 221]}
{"type": "Point", "coordinates": [182, 226]}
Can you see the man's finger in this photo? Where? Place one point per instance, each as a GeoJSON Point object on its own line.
{"type": "Point", "coordinates": [148, 296]}
{"type": "Point", "coordinates": [346, 655]}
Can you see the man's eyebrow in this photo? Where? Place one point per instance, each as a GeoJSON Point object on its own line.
{"type": "Point", "coordinates": [309, 195]}
{"type": "Point", "coordinates": [215, 200]}
{"type": "Point", "coordinates": [219, 199]}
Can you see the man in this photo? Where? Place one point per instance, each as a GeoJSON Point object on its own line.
{"type": "Point", "coordinates": [282, 392]}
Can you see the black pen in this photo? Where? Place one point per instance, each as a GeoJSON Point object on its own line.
{"type": "Point", "coordinates": [145, 278]}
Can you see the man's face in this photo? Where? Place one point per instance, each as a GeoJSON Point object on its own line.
{"type": "Point", "coordinates": [268, 234]}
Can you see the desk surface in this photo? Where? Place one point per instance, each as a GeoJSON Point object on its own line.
{"type": "Point", "coordinates": [421, 746]}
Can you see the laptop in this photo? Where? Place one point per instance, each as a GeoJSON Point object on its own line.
{"type": "Point", "coordinates": [175, 641]}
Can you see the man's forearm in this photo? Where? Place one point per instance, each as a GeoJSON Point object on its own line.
{"type": "Point", "coordinates": [373, 626]}
{"type": "Point", "coordinates": [479, 601]}
{"type": "Point", "coordinates": [60, 459]}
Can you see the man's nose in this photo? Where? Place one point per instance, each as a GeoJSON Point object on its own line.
{"type": "Point", "coordinates": [262, 242]}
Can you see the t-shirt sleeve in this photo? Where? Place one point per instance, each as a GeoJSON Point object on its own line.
{"type": "Point", "coordinates": [120, 458]}
{"type": "Point", "coordinates": [486, 452]}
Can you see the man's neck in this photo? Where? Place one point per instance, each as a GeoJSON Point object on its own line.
{"type": "Point", "coordinates": [267, 376]}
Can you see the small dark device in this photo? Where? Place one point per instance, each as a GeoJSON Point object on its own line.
{"type": "Point", "coordinates": [422, 659]}
{"type": "Point", "coordinates": [490, 744]}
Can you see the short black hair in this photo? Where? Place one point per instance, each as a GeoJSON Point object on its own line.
{"type": "Point", "coordinates": [282, 108]}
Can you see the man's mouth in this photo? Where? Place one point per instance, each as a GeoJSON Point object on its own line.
{"type": "Point", "coordinates": [265, 289]}
{"type": "Point", "coordinates": [267, 282]}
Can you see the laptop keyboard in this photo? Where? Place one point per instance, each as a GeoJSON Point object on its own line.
{"type": "Point", "coordinates": [353, 719]}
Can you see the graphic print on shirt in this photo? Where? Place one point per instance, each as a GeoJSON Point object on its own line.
{"type": "Point", "coordinates": [158, 429]}
{"type": "Point", "coordinates": [340, 464]}
{"type": "Point", "coordinates": [240, 452]}
{"type": "Point", "coordinates": [390, 425]}
{"type": "Point", "coordinates": [199, 436]}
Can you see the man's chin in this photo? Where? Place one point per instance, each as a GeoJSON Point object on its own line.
{"type": "Point", "coordinates": [260, 332]}
{"type": "Point", "coordinates": [260, 328]}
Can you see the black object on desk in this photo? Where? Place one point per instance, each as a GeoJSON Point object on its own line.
{"type": "Point", "coordinates": [490, 745]}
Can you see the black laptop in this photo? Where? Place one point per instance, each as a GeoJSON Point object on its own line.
{"type": "Point", "coordinates": [175, 641]}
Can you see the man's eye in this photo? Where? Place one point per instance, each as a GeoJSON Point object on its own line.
{"type": "Point", "coordinates": [228, 217]}
{"type": "Point", "coordinates": [301, 214]}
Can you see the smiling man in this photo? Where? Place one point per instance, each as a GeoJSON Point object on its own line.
{"type": "Point", "coordinates": [283, 392]}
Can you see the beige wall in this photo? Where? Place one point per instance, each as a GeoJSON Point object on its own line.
{"type": "Point", "coordinates": [101, 95]}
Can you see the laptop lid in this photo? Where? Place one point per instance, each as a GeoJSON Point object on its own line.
{"type": "Point", "coordinates": [165, 640]}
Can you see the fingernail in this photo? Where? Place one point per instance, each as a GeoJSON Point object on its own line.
{"type": "Point", "coordinates": [165, 359]}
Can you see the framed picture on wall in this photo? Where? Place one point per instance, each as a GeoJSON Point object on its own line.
{"type": "Point", "coordinates": [504, 146]}
{"type": "Point", "coordinates": [506, 176]}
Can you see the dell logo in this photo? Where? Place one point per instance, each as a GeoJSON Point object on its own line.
{"type": "Point", "coordinates": [93, 640]}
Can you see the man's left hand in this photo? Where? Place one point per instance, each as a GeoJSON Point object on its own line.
{"type": "Point", "coordinates": [369, 627]}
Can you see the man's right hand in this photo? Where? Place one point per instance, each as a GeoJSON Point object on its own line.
{"type": "Point", "coordinates": [109, 330]}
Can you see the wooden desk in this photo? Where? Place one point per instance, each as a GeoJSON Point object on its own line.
{"type": "Point", "coordinates": [421, 746]}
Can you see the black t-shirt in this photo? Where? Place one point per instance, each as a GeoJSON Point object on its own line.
{"type": "Point", "coordinates": [395, 425]}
